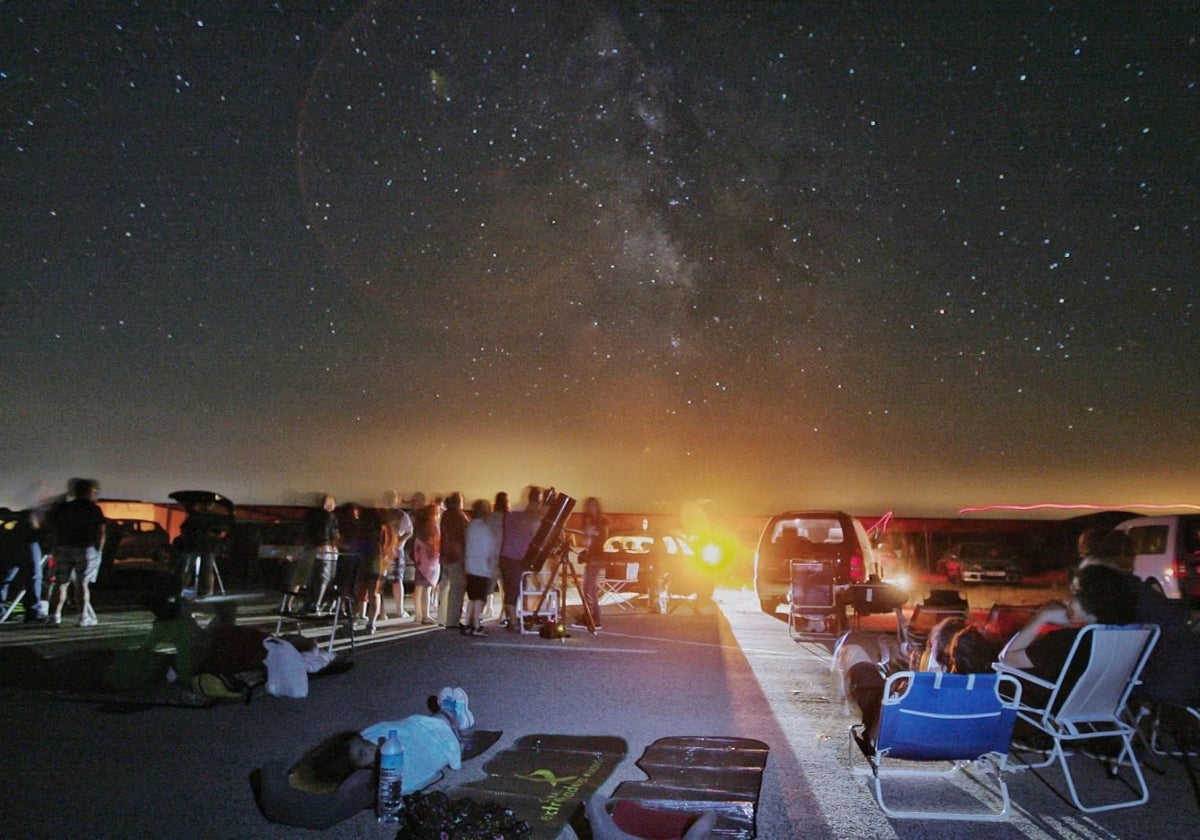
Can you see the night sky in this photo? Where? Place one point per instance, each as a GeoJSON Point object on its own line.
{"type": "Point", "coordinates": [867, 256]}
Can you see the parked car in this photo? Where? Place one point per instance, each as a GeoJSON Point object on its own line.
{"type": "Point", "coordinates": [830, 541]}
{"type": "Point", "coordinates": [982, 562]}
{"type": "Point", "coordinates": [1167, 553]}
{"type": "Point", "coordinates": [280, 545]}
{"type": "Point", "coordinates": [657, 565]}
{"type": "Point", "coordinates": [137, 539]}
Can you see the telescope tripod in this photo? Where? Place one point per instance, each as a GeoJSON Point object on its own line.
{"type": "Point", "coordinates": [562, 570]}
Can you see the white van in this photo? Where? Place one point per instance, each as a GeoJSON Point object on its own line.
{"type": "Point", "coordinates": [1167, 553]}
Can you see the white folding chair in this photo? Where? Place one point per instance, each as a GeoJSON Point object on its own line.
{"type": "Point", "coordinates": [1150, 716]}
{"type": "Point", "coordinates": [532, 605]}
{"type": "Point", "coordinates": [12, 605]}
{"type": "Point", "coordinates": [934, 725]}
{"type": "Point", "coordinates": [1093, 705]}
{"type": "Point", "coordinates": [615, 580]}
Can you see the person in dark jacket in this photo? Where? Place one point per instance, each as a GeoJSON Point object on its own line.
{"type": "Point", "coordinates": [78, 530]}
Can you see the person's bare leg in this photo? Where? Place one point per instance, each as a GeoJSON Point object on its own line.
{"type": "Point", "coordinates": [420, 603]}
{"type": "Point", "coordinates": [320, 596]}
{"type": "Point", "coordinates": [59, 600]}
{"type": "Point", "coordinates": [85, 602]}
{"type": "Point", "coordinates": [375, 601]}
{"type": "Point", "coordinates": [398, 591]}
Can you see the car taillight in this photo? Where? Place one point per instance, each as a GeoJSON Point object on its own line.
{"type": "Point", "coordinates": [856, 568]}
{"type": "Point", "coordinates": [1186, 567]}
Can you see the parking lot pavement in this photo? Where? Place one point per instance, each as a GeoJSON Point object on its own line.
{"type": "Point", "coordinates": [102, 770]}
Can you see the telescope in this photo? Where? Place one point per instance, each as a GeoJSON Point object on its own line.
{"type": "Point", "coordinates": [557, 509]}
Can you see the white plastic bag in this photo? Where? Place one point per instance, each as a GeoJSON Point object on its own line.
{"type": "Point", "coordinates": [286, 674]}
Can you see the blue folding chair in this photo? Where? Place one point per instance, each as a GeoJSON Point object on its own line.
{"type": "Point", "coordinates": [965, 720]}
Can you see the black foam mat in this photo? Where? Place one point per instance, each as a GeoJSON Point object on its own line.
{"type": "Point", "coordinates": [703, 773]}
{"type": "Point", "coordinates": [545, 779]}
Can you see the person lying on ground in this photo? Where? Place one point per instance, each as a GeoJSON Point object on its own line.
{"type": "Point", "coordinates": [431, 743]}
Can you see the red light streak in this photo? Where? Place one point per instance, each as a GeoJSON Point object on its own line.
{"type": "Point", "coordinates": [1076, 506]}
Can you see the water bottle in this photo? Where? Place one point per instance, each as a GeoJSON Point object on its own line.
{"type": "Point", "coordinates": [388, 798]}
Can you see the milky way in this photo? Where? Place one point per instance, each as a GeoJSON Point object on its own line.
{"type": "Point", "coordinates": [793, 254]}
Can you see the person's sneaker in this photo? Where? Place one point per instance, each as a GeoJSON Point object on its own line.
{"type": "Point", "coordinates": [56, 621]}
{"type": "Point", "coordinates": [445, 700]}
{"type": "Point", "coordinates": [34, 618]}
{"type": "Point", "coordinates": [466, 720]}
{"type": "Point", "coordinates": [478, 631]}
{"type": "Point", "coordinates": [88, 621]}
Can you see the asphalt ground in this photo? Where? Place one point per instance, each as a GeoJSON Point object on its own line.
{"type": "Point", "coordinates": [87, 767]}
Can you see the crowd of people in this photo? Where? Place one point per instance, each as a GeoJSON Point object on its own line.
{"type": "Point", "coordinates": [453, 560]}
{"type": "Point", "coordinates": [456, 560]}
{"type": "Point", "coordinates": [1103, 590]}
{"type": "Point", "coordinates": [71, 526]}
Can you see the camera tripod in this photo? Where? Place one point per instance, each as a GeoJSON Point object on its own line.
{"type": "Point", "coordinates": [563, 569]}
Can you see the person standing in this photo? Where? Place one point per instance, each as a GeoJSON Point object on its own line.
{"type": "Point", "coordinates": [371, 542]}
{"type": "Point", "coordinates": [401, 524]}
{"type": "Point", "coordinates": [452, 586]}
{"type": "Point", "coordinates": [481, 563]}
{"type": "Point", "coordinates": [496, 522]}
{"type": "Point", "coordinates": [595, 532]}
{"type": "Point", "coordinates": [78, 534]}
{"type": "Point", "coordinates": [427, 559]}
{"type": "Point", "coordinates": [29, 532]}
{"type": "Point", "coordinates": [315, 568]}
{"type": "Point", "coordinates": [519, 530]}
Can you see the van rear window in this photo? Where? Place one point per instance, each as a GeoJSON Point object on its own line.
{"type": "Point", "coordinates": [816, 531]}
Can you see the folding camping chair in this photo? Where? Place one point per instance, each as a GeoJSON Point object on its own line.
{"type": "Point", "coordinates": [615, 580]}
{"type": "Point", "coordinates": [813, 610]}
{"type": "Point", "coordinates": [914, 630]}
{"type": "Point", "coordinates": [965, 720]}
{"type": "Point", "coordinates": [346, 580]}
{"type": "Point", "coordinates": [1182, 718]}
{"type": "Point", "coordinates": [12, 605]}
{"type": "Point", "coordinates": [537, 588]}
{"type": "Point", "coordinates": [1092, 705]}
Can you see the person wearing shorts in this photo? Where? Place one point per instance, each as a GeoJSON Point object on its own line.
{"type": "Point", "coordinates": [78, 529]}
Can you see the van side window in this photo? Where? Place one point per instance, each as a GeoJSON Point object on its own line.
{"type": "Point", "coordinates": [1149, 540]}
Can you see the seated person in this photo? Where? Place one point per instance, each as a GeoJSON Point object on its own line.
{"type": "Point", "coordinates": [971, 650]}
{"type": "Point", "coordinates": [976, 652]}
{"type": "Point", "coordinates": [1172, 673]}
{"type": "Point", "coordinates": [1102, 595]}
{"type": "Point", "coordinates": [935, 655]}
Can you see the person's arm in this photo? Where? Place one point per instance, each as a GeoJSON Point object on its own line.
{"type": "Point", "coordinates": [1014, 653]}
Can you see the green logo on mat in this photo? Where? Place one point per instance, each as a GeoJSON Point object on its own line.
{"type": "Point", "coordinates": [546, 776]}
{"type": "Point", "coordinates": [571, 785]}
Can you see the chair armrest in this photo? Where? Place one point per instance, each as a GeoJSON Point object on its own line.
{"type": "Point", "coordinates": [1001, 668]}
